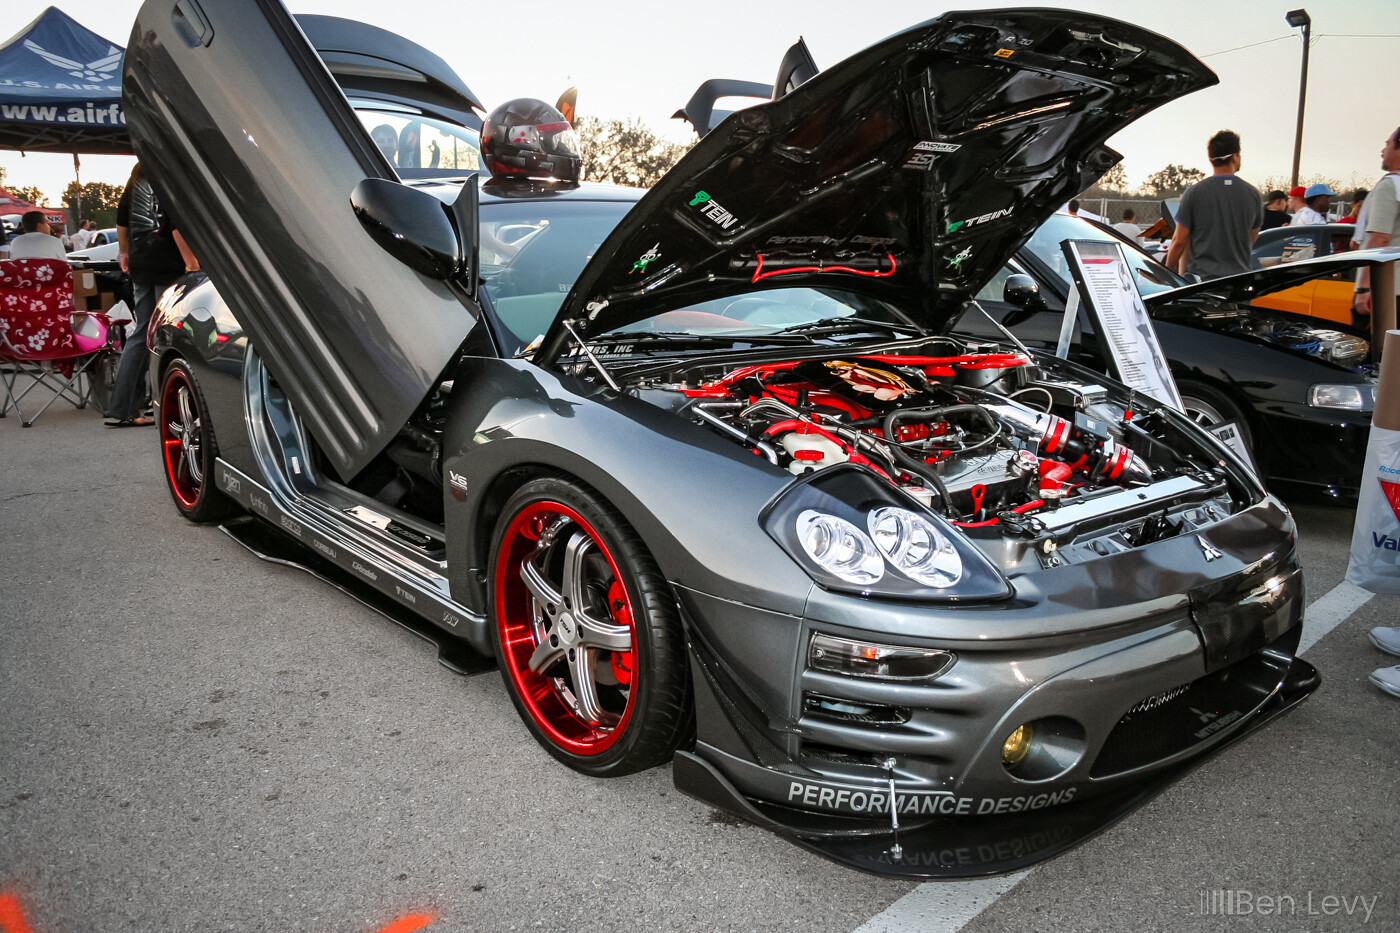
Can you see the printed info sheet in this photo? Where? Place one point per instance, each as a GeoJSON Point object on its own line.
{"type": "Point", "coordinates": [1108, 290]}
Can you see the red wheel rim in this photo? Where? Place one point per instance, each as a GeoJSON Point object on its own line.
{"type": "Point", "coordinates": [181, 439]}
{"type": "Point", "coordinates": [581, 687]}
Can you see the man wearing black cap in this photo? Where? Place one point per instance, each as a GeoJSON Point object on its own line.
{"type": "Point", "coordinates": [1276, 211]}
{"type": "Point", "coordinates": [1219, 218]}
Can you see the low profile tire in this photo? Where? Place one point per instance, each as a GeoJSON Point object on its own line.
{"type": "Point", "coordinates": [587, 632]}
{"type": "Point", "coordinates": [188, 449]}
{"type": "Point", "coordinates": [1208, 407]}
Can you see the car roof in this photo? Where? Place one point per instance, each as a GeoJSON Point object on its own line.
{"type": "Point", "coordinates": [1335, 229]}
{"type": "Point", "coordinates": [544, 191]}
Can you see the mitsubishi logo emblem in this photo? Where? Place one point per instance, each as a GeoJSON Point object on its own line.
{"type": "Point", "coordinates": [1210, 551]}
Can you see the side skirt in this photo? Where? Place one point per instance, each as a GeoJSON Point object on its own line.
{"type": "Point", "coordinates": [286, 539]}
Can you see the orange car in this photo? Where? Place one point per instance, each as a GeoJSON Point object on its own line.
{"type": "Point", "coordinates": [1328, 298]}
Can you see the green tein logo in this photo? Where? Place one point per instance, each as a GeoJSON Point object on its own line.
{"type": "Point", "coordinates": [700, 198]}
{"type": "Point", "coordinates": [646, 259]}
{"type": "Point", "coordinates": [954, 225]}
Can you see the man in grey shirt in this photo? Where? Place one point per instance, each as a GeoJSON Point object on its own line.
{"type": "Point", "coordinates": [1219, 218]}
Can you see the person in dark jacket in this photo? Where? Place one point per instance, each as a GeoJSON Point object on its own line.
{"type": "Point", "coordinates": [154, 255]}
{"type": "Point", "coordinates": [1276, 210]}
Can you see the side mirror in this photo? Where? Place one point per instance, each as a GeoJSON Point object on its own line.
{"type": "Point", "coordinates": [1021, 291]}
{"type": "Point", "coordinates": [413, 226]}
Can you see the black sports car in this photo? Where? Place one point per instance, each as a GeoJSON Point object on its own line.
{"type": "Point", "coordinates": [1302, 388]}
{"type": "Point", "coordinates": [701, 467]}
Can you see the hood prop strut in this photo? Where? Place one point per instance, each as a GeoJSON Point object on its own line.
{"type": "Point", "coordinates": [588, 351]}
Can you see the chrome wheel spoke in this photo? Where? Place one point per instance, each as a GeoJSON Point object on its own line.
{"type": "Point", "coordinates": [187, 417]}
{"type": "Point", "coordinates": [191, 445]}
{"type": "Point", "coordinates": [595, 633]}
{"type": "Point", "coordinates": [575, 592]}
{"type": "Point", "coordinates": [546, 597]}
{"type": "Point", "coordinates": [585, 686]}
{"type": "Point", "coordinates": [545, 656]}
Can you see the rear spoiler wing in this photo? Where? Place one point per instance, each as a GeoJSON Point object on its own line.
{"type": "Point", "coordinates": [796, 67]}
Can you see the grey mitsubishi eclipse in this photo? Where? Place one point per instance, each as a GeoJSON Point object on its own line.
{"type": "Point", "coordinates": [702, 468]}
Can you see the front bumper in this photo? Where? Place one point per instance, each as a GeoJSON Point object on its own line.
{"type": "Point", "coordinates": [1310, 451]}
{"type": "Point", "coordinates": [959, 846]}
{"type": "Point", "coordinates": [1130, 668]}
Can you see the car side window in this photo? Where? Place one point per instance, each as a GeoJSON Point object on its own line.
{"type": "Point", "coordinates": [996, 287]}
{"type": "Point", "coordinates": [1291, 247]}
{"type": "Point", "coordinates": [421, 147]}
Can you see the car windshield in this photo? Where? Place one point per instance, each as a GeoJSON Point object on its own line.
{"type": "Point", "coordinates": [422, 147]}
{"type": "Point", "coordinates": [773, 311]}
{"type": "Point", "coordinates": [1152, 276]}
{"type": "Point", "coordinates": [531, 253]}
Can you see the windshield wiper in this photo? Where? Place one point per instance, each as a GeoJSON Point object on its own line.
{"type": "Point", "coordinates": [833, 325]}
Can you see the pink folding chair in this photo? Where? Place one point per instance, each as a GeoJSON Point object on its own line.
{"type": "Point", "coordinates": [43, 338]}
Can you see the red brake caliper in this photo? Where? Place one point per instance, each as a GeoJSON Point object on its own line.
{"type": "Point", "coordinates": [623, 663]}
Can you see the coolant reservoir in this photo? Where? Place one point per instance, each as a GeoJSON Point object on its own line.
{"type": "Point", "coordinates": [811, 452]}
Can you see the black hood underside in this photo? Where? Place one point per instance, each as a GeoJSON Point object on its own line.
{"type": "Point", "coordinates": [910, 171]}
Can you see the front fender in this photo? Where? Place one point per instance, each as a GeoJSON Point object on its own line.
{"type": "Point", "coordinates": [693, 496]}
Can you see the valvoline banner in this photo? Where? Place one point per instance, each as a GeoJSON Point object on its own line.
{"type": "Point", "coordinates": [60, 89]}
{"type": "Point", "coordinates": [1375, 539]}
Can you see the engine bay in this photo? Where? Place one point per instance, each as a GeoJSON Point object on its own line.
{"type": "Point", "coordinates": [1330, 344]}
{"type": "Point", "coordinates": [979, 436]}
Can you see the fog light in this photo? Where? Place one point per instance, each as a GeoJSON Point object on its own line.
{"type": "Point", "coordinates": [884, 662]}
{"type": "Point", "coordinates": [1017, 744]}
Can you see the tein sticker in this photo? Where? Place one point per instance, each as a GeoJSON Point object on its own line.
{"type": "Point", "coordinates": [646, 259]}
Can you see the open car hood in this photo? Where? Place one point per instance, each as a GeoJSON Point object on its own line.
{"type": "Point", "coordinates": [910, 171]}
{"type": "Point", "coordinates": [1246, 286]}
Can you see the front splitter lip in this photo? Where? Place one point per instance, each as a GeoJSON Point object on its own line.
{"type": "Point", "coordinates": [948, 848]}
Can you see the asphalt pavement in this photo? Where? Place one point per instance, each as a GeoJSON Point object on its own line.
{"type": "Point", "coordinates": [193, 739]}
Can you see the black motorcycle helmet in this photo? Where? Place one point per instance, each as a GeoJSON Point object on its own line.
{"type": "Point", "coordinates": [527, 138]}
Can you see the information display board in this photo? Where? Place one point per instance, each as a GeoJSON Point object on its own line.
{"type": "Point", "coordinates": [1106, 287]}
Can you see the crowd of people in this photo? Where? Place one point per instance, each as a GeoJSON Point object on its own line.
{"type": "Point", "coordinates": [1220, 217]}
{"type": "Point", "coordinates": [36, 221]}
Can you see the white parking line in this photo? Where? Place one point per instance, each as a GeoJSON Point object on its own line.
{"type": "Point", "coordinates": [940, 906]}
{"type": "Point", "coordinates": [948, 906]}
{"type": "Point", "coordinates": [1330, 611]}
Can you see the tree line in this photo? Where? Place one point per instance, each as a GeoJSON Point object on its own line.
{"type": "Point", "coordinates": [1171, 180]}
{"type": "Point", "coordinates": [99, 199]}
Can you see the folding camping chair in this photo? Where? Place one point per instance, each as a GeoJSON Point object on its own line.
{"type": "Point", "coordinates": [43, 338]}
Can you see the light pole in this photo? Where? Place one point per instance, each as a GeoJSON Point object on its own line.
{"type": "Point", "coordinates": [1301, 18]}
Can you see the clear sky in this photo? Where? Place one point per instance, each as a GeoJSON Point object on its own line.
{"type": "Point", "coordinates": [630, 58]}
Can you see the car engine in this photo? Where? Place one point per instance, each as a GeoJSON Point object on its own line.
{"type": "Point", "coordinates": [1331, 345]}
{"type": "Point", "coordinates": [979, 437]}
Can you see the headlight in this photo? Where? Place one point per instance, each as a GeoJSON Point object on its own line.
{"type": "Point", "coordinates": [822, 520]}
{"type": "Point", "coordinates": [913, 545]}
{"type": "Point", "coordinates": [840, 547]}
{"type": "Point", "coordinates": [1350, 397]}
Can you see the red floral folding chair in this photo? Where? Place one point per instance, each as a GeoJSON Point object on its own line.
{"type": "Point", "coordinates": [44, 340]}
